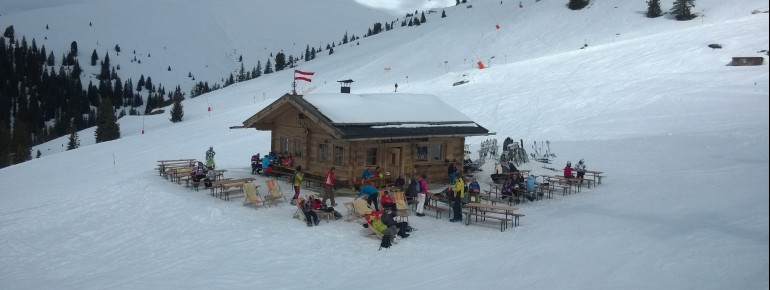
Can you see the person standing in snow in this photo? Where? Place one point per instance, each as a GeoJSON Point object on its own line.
{"type": "Point", "coordinates": [581, 170]}
{"type": "Point", "coordinates": [370, 193]}
{"type": "Point", "coordinates": [422, 192]}
{"type": "Point", "coordinates": [459, 193]}
{"type": "Point", "coordinates": [452, 171]}
{"type": "Point", "coordinates": [297, 182]}
{"type": "Point", "coordinates": [329, 187]}
{"type": "Point", "coordinates": [210, 158]}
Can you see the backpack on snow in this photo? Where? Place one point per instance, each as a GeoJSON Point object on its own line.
{"type": "Point", "coordinates": [385, 243]}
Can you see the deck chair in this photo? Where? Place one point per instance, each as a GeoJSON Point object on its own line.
{"type": "Point", "coordinates": [274, 194]}
{"type": "Point", "coordinates": [402, 207]}
{"type": "Point", "coordinates": [357, 209]}
{"type": "Point", "coordinates": [299, 214]}
{"type": "Point", "coordinates": [251, 195]}
{"type": "Point", "coordinates": [368, 219]}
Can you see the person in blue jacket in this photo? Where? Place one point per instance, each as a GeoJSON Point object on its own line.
{"type": "Point", "coordinates": [265, 163]}
{"type": "Point", "coordinates": [532, 185]}
{"type": "Point", "coordinates": [369, 192]}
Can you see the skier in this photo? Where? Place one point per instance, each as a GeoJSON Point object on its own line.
{"type": "Point", "coordinates": [210, 158]}
{"type": "Point", "coordinates": [396, 89]}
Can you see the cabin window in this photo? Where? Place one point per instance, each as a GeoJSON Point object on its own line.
{"type": "Point", "coordinates": [435, 152]}
{"type": "Point", "coordinates": [429, 152]}
{"type": "Point", "coordinates": [422, 153]}
{"type": "Point", "coordinates": [323, 148]}
{"type": "Point", "coordinates": [284, 146]}
{"type": "Point", "coordinates": [371, 156]}
{"type": "Point", "coordinates": [298, 145]}
{"type": "Point", "coordinates": [339, 152]}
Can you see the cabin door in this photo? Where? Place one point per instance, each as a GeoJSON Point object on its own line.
{"type": "Point", "coordinates": [395, 162]}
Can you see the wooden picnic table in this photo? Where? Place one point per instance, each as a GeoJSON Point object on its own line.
{"type": "Point", "coordinates": [570, 182]}
{"type": "Point", "coordinates": [481, 210]}
{"type": "Point", "coordinates": [596, 176]}
{"type": "Point", "coordinates": [174, 172]}
{"type": "Point", "coordinates": [224, 185]}
{"type": "Point", "coordinates": [162, 164]}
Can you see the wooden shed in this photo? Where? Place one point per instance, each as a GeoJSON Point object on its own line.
{"type": "Point", "coordinates": [405, 134]}
{"type": "Point", "coordinates": [747, 60]}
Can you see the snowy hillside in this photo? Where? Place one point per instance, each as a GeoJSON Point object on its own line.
{"type": "Point", "coordinates": [682, 137]}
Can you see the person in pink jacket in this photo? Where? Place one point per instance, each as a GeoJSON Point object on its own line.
{"type": "Point", "coordinates": [422, 192]}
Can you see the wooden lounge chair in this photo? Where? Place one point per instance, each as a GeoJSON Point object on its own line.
{"type": "Point", "coordinates": [402, 207]}
{"type": "Point", "coordinates": [274, 194]}
{"type": "Point", "coordinates": [299, 214]}
{"type": "Point", "coordinates": [251, 195]}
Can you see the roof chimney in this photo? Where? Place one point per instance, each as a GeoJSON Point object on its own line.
{"type": "Point", "coordinates": [345, 86]}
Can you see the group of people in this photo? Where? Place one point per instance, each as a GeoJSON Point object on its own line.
{"type": "Point", "coordinates": [310, 206]}
{"type": "Point", "coordinates": [580, 169]}
{"type": "Point", "coordinates": [205, 172]}
{"type": "Point", "coordinates": [263, 165]}
{"type": "Point", "coordinates": [383, 221]}
{"type": "Point", "coordinates": [328, 184]}
{"type": "Point", "coordinates": [373, 176]}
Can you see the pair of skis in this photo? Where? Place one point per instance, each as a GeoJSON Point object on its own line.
{"type": "Point", "coordinates": [542, 156]}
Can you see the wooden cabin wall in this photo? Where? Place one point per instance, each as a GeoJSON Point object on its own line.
{"type": "Point", "coordinates": [395, 156]}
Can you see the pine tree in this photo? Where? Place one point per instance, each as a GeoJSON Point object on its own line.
{"type": "Point", "coordinates": [21, 141]}
{"type": "Point", "coordinates": [653, 9]}
{"type": "Point", "coordinates": [94, 58]}
{"type": "Point", "coordinates": [74, 141]}
{"type": "Point", "coordinates": [268, 67]}
{"type": "Point", "coordinates": [140, 83]}
{"type": "Point", "coordinates": [280, 61]}
{"type": "Point", "coordinates": [74, 48]}
{"type": "Point", "coordinates": [107, 127]}
{"type": "Point", "coordinates": [177, 111]}
{"type": "Point", "coordinates": [5, 145]}
{"type": "Point", "coordinates": [682, 9]}
{"type": "Point", "coordinates": [9, 33]}
{"type": "Point", "coordinates": [577, 4]}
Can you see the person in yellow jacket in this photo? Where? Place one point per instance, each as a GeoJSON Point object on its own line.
{"type": "Point", "coordinates": [459, 194]}
{"type": "Point", "coordinates": [297, 182]}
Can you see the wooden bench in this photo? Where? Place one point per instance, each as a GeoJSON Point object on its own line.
{"type": "Point", "coordinates": [163, 164]}
{"type": "Point", "coordinates": [484, 216]}
{"type": "Point", "coordinates": [225, 185]}
{"type": "Point", "coordinates": [595, 175]}
{"type": "Point", "coordinates": [313, 181]}
{"type": "Point", "coordinates": [437, 209]}
{"type": "Point", "coordinates": [546, 190]}
{"type": "Point", "coordinates": [174, 172]}
{"type": "Point", "coordinates": [192, 184]}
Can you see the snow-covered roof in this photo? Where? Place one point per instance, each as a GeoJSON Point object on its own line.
{"type": "Point", "coordinates": [391, 108]}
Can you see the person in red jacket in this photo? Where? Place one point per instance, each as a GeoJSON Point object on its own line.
{"type": "Point", "coordinates": [329, 187]}
{"type": "Point", "coordinates": [387, 200]}
{"type": "Point", "coordinates": [568, 170]}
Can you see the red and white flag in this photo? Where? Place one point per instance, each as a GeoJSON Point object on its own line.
{"type": "Point", "coordinates": [302, 75]}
